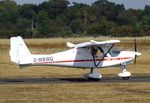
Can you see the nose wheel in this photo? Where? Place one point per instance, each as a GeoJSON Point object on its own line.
{"type": "Point", "coordinates": [124, 74]}
{"type": "Point", "coordinates": [125, 78]}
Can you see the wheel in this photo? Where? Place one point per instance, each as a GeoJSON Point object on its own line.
{"type": "Point", "coordinates": [93, 76]}
{"type": "Point", "coordinates": [93, 79]}
{"type": "Point", "coordinates": [126, 78]}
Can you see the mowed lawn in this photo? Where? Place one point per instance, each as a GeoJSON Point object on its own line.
{"type": "Point", "coordinates": [76, 93]}
{"type": "Point", "coordinates": [73, 92]}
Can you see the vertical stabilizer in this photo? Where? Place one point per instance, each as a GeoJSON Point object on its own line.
{"type": "Point", "coordinates": [18, 49]}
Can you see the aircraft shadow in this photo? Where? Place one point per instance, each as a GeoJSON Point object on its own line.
{"type": "Point", "coordinates": [72, 80]}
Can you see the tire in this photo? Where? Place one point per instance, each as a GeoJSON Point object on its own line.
{"type": "Point", "coordinates": [125, 78]}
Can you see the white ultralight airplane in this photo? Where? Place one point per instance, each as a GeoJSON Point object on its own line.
{"type": "Point", "coordinates": [91, 54]}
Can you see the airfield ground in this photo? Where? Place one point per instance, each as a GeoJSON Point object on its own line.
{"type": "Point", "coordinates": [73, 92]}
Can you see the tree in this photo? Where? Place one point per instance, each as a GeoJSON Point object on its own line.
{"type": "Point", "coordinates": [8, 11]}
{"type": "Point", "coordinates": [77, 26]}
{"type": "Point", "coordinates": [128, 17]}
{"type": "Point", "coordinates": [107, 9]}
{"type": "Point", "coordinates": [56, 18]}
{"type": "Point", "coordinates": [143, 24]}
{"type": "Point", "coordinates": [103, 27]}
{"type": "Point", "coordinates": [125, 30]}
{"type": "Point", "coordinates": [23, 27]}
{"type": "Point", "coordinates": [28, 11]}
{"type": "Point", "coordinates": [54, 7]}
{"type": "Point", "coordinates": [8, 16]}
{"type": "Point", "coordinates": [43, 24]}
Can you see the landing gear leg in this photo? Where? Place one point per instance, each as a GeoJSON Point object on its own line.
{"type": "Point", "coordinates": [124, 74]}
{"type": "Point", "coordinates": [93, 75]}
{"type": "Point", "coordinates": [91, 70]}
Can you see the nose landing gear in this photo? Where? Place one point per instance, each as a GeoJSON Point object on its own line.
{"type": "Point", "coordinates": [124, 74]}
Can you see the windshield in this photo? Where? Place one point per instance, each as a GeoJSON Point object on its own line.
{"type": "Point", "coordinates": [114, 53]}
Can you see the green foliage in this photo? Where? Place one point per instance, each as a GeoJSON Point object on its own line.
{"type": "Point", "coordinates": [8, 11]}
{"type": "Point", "coordinates": [103, 27]}
{"type": "Point", "coordinates": [28, 11]}
{"type": "Point", "coordinates": [77, 26]}
{"type": "Point", "coordinates": [43, 23]}
{"type": "Point", "coordinates": [54, 7]}
{"type": "Point", "coordinates": [22, 27]}
{"type": "Point", "coordinates": [59, 18]}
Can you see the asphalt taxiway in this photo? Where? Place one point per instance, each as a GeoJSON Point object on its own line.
{"type": "Point", "coordinates": [134, 79]}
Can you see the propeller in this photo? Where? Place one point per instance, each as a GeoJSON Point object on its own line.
{"type": "Point", "coordinates": [135, 49]}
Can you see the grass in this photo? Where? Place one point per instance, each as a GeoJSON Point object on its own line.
{"type": "Point", "coordinates": [47, 46]}
{"type": "Point", "coordinates": [72, 92]}
{"type": "Point", "coordinates": [76, 93]}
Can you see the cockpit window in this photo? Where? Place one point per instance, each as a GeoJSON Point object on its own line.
{"type": "Point", "coordinates": [114, 53]}
{"type": "Point", "coordinates": [96, 52]}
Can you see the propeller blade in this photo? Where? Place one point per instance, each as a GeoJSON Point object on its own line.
{"type": "Point", "coordinates": [135, 46]}
{"type": "Point", "coordinates": [135, 49]}
{"type": "Point", "coordinates": [135, 60]}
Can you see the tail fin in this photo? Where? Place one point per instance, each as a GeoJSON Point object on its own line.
{"type": "Point", "coordinates": [18, 49]}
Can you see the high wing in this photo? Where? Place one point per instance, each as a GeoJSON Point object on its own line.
{"type": "Point", "coordinates": [104, 47]}
{"type": "Point", "coordinates": [92, 43]}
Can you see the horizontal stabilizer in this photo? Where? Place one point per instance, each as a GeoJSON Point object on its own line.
{"type": "Point", "coordinates": [70, 45]}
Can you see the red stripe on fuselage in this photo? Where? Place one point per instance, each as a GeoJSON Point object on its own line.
{"type": "Point", "coordinates": [84, 60]}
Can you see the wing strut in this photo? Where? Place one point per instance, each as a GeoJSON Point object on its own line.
{"type": "Point", "coordinates": [94, 75]}
{"type": "Point", "coordinates": [94, 57]}
{"type": "Point", "coordinates": [93, 53]}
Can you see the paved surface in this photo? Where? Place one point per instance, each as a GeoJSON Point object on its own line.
{"type": "Point", "coordinates": [135, 79]}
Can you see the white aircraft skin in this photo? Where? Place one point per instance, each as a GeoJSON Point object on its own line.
{"type": "Point", "coordinates": [79, 56]}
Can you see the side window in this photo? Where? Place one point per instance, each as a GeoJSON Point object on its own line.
{"type": "Point", "coordinates": [96, 52]}
{"type": "Point", "coordinates": [99, 53]}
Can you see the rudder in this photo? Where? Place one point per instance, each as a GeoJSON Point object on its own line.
{"type": "Point", "coordinates": [18, 49]}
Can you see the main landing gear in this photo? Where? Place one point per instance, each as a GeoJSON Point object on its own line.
{"type": "Point", "coordinates": [124, 74]}
{"type": "Point", "coordinates": [93, 75]}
